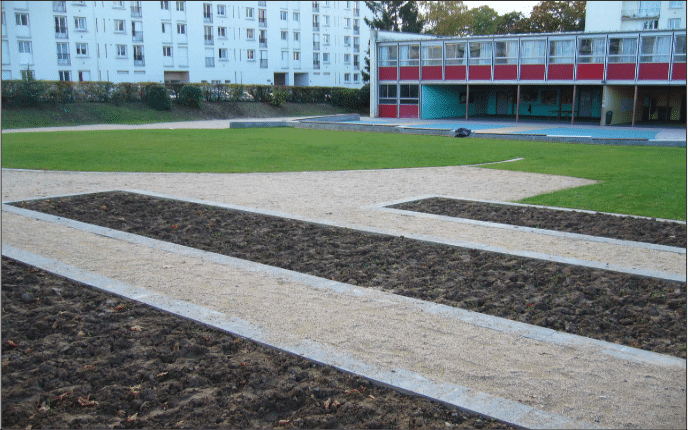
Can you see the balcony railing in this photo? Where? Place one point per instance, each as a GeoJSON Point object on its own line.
{"type": "Point", "coordinates": [136, 11]}
{"type": "Point", "coordinates": [263, 63]}
{"type": "Point", "coordinates": [59, 6]}
{"type": "Point", "coordinates": [316, 27]}
{"type": "Point", "coordinates": [208, 40]}
{"type": "Point", "coordinates": [263, 42]}
{"type": "Point", "coordinates": [262, 3]}
{"type": "Point", "coordinates": [357, 66]}
{"type": "Point", "coordinates": [357, 30]}
{"type": "Point", "coordinates": [262, 22]}
{"type": "Point", "coordinates": [139, 61]}
{"type": "Point", "coordinates": [63, 60]}
{"type": "Point", "coordinates": [316, 64]}
{"type": "Point", "coordinates": [316, 7]}
{"type": "Point", "coordinates": [357, 48]}
{"type": "Point", "coordinates": [316, 46]}
{"type": "Point", "coordinates": [207, 19]}
{"type": "Point", "coordinates": [638, 13]}
{"type": "Point", "coordinates": [137, 36]}
{"type": "Point", "coordinates": [61, 33]}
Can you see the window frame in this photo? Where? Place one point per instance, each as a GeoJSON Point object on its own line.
{"type": "Point", "coordinates": [81, 49]}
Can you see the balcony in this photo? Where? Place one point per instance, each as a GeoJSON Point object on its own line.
{"type": "Point", "coordinates": [137, 36]}
{"type": "Point", "coordinates": [316, 27]}
{"type": "Point", "coordinates": [357, 12]}
{"type": "Point", "coordinates": [262, 22]}
{"type": "Point", "coordinates": [63, 60]}
{"type": "Point", "coordinates": [263, 63]}
{"type": "Point", "coordinates": [139, 61]}
{"type": "Point", "coordinates": [59, 6]}
{"type": "Point", "coordinates": [207, 18]}
{"type": "Point", "coordinates": [136, 11]}
{"type": "Point", "coordinates": [357, 29]}
{"type": "Point", "coordinates": [263, 42]}
{"type": "Point", "coordinates": [316, 7]}
{"type": "Point", "coordinates": [208, 40]}
{"type": "Point", "coordinates": [61, 33]}
{"type": "Point", "coordinates": [316, 46]}
{"type": "Point", "coordinates": [639, 13]}
{"type": "Point", "coordinates": [357, 66]}
{"type": "Point", "coordinates": [316, 65]}
{"type": "Point", "coordinates": [357, 48]}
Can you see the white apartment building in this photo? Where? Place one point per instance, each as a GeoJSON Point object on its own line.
{"type": "Point", "coordinates": [306, 43]}
{"type": "Point", "coordinates": [613, 16]}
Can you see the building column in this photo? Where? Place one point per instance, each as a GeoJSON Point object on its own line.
{"type": "Point", "coordinates": [635, 104]}
{"type": "Point", "coordinates": [374, 87]}
{"type": "Point", "coordinates": [518, 100]}
{"type": "Point", "coordinates": [573, 103]}
{"type": "Point", "coordinates": [467, 98]}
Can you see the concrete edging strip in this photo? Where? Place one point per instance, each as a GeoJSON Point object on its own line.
{"type": "Point", "coordinates": [409, 382]}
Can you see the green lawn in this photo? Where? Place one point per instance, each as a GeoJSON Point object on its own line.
{"type": "Point", "coordinates": [634, 180]}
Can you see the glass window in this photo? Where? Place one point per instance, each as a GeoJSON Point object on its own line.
{"type": "Point", "coordinates": [561, 51]}
{"type": "Point", "coordinates": [591, 50]}
{"type": "Point", "coordinates": [22, 18]}
{"type": "Point", "coordinates": [221, 10]}
{"type": "Point", "coordinates": [387, 56]}
{"type": "Point", "coordinates": [455, 54]}
{"type": "Point", "coordinates": [622, 50]}
{"type": "Point", "coordinates": [119, 26]}
{"type": "Point", "coordinates": [480, 53]}
{"type": "Point", "coordinates": [80, 24]}
{"type": "Point", "coordinates": [121, 50]}
{"type": "Point", "coordinates": [388, 95]}
{"type": "Point", "coordinates": [409, 55]}
{"type": "Point", "coordinates": [181, 28]}
{"type": "Point", "coordinates": [655, 49]}
{"type": "Point", "coordinates": [680, 48]}
{"type": "Point", "coordinates": [249, 12]}
{"type": "Point", "coordinates": [408, 94]}
{"type": "Point", "coordinates": [81, 49]}
{"type": "Point", "coordinates": [506, 52]}
{"type": "Point", "coordinates": [432, 55]}
{"type": "Point", "coordinates": [297, 56]}
{"type": "Point", "coordinates": [532, 52]}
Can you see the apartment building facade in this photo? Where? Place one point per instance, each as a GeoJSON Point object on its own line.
{"type": "Point", "coordinates": [635, 15]}
{"type": "Point", "coordinates": [307, 43]}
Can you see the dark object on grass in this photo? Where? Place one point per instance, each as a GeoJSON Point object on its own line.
{"type": "Point", "coordinates": [462, 132]}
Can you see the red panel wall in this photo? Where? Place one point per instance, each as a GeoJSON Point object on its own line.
{"type": "Point", "coordinates": [654, 71]}
{"type": "Point", "coordinates": [506, 72]}
{"type": "Point", "coordinates": [409, 73]}
{"type": "Point", "coordinates": [620, 71]}
{"type": "Point", "coordinates": [387, 73]}
{"type": "Point", "coordinates": [590, 72]}
{"type": "Point", "coordinates": [678, 73]}
{"type": "Point", "coordinates": [560, 72]}
{"type": "Point", "coordinates": [387, 111]}
{"type": "Point", "coordinates": [479, 73]}
{"type": "Point", "coordinates": [454, 73]}
{"type": "Point", "coordinates": [532, 72]}
{"type": "Point", "coordinates": [408, 111]}
{"type": "Point", "coordinates": [432, 73]}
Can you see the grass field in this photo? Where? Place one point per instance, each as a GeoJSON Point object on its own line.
{"type": "Point", "coordinates": [645, 181]}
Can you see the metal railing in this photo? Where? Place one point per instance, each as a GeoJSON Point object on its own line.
{"type": "Point", "coordinates": [61, 33]}
{"type": "Point", "coordinates": [316, 46]}
{"type": "Point", "coordinates": [263, 63]}
{"type": "Point", "coordinates": [316, 64]}
{"type": "Point", "coordinates": [208, 40]}
{"type": "Point", "coordinates": [262, 22]}
{"type": "Point", "coordinates": [136, 11]}
{"type": "Point", "coordinates": [137, 36]}
{"type": "Point", "coordinates": [63, 60]}
{"type": "Point", "coordinates": [640, 13]}
{"type": "Point", "coordinates": [139, 61]}
{"type": "Point", "coordinates": [263, 42]}
{"type": "Point", "coordinates": [59, 6]}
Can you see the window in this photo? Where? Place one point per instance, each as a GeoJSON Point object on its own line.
{"type": "Point", "coordinates": [532, 52]}
{"type": "Point", "coordinates": [296, 16]}
{"type": "Point", "coordinates": [388, 95]}
{"type": "Point", "coordinates": [166, 51]}
{"type": "Point", "coordinates": [181, 6]}
{"type": "Point", "coordinates": [138, 55]}
{"type": "Point", "coordinates": [326, 57]}
{"type": "Point", "coordinates": [81, 49]}
{"type": "Point", "coordinates": [61, 6]}
{"type": "Point", "coordinates": [506, 52]}
{"type": "Point", "coordinates": [296, 36]}
{"type": "Point", "coordinates": [347, 58]}
{"type": "Point", "coordinates": [591, 50]}
{"type": "Point", "coordinates": [22, 18]}
{"type": "Point", "coordinates": [326, 20]}
{"type": "Point", "coordinates": [207, 13]}
{"type": "Point", "coordinates": [222, 54]}
{"type": "Point", "coordinates": [297, 56]}
{"type": "Point", "coordinates": [61, 27]}
{"type": "Point", "coordinates": [347, 22]}
{"type": "Point", "coordinates": [221, 10]}
{"type": "Point", "coordinates": [676, 4]}
{"type": "Point", "coordinates": [181, 28]}
{"type": "Point", "coordinates": [561, 51]}
{"type": "Point", "coordinates": [283, 15]}
{"type": "Point", "coordinates": [222, 32]}
{"type": "Point", "coordinates": [24, 47]}
{"type": "Point", "coordinates": [25, 74]}
{"type": "Point", "coordinates": [680, 48]}
{"type": "Point", "coordinates": [249, 12]}
{"type": "Point", "coordinates": [250, 34]}
{"type": "Point", "coordinates": [387, 56]}
{"type": "Point", "coordinates": [432, 55]}
{"type": "Point", "coordinates": [65, 75]}
{"type": "Point", "coordinates": [347, 77]}
{"type": "Point", "coordinates": [356, 77]}
{"type": "Point", "coordinates": [479, 53]}
{"type": "Point", "coordinates": [650, 25]}
{"type": "Point", "coordinates": [655, 49]}
{"type": "Point", "coordinates": [5, 52]}
{"type": "Point", "coordinates": [121, 51]}
{"type": "Point", "coordinates": [410, 55]}
{"type": "Point", "coordinates": [250, 54]}
{"type": "Point", "coordinates": [284, 35]}
{"type": "Point", "coordinates": [165, 5]}
{"type": "Point", "coordinates": [347, 40]}
{"type": "Point", "coordinates": [209, 58]}
{"type": "Point", "coordinates": [674, 23]}
{"type": "Point", "coordinates": [120, 26]}
{"type": "Point", "coordinates": [408, 94]}
{"type": "Point", "coordinates": [79, 23]}
{"type": "Point", "coordinates": [208, 34]}
{"type": "Point", "coordinates": [455, 54]}
{"type": "Point", "coordinates": [326, 39]}
{"type": "Point", "coordinates": [63, 54]}
{"type": "Point", "coordinates": [316, 60]}
{"type": "Point", "coordinates": [622, 50]}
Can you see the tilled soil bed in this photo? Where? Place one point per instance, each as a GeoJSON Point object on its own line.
{"type": "Point", "coordinates": [595, 224]}
{"type": "Point", "coordinates": [76, 357]}
{"type": "Point", "coordinates": [632, 310]}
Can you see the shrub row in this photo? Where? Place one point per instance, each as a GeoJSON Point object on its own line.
{"type": "Point", "coordinates": [31, 92]}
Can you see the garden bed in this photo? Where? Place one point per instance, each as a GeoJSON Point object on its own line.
{"type": "Point", "coordinates": [76, 357]}
{"type": "Point", "coordinates": [632, 310]}
{"type": "Point", "coordinates": [593, 224]}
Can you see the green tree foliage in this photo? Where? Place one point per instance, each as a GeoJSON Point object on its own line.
{"type": "Point", "coordinates": [556, 16]}
{"type": "Point", "coordinates": [445, 18]}
{"type": "Point", "coordinates": [397, 16]}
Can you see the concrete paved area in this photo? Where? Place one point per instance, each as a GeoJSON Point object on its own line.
{"type": "Point", "coordinates": [522, 374]}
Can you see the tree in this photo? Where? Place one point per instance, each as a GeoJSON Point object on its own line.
{"type": "Point", "coordinates": [482, 20]}
{"type": "Point", "coordinates": [394, 16]}
{"type": "Point", "coordinates": [557, 16]}
{"type": "Point", "coordinates": [445, 18]}
{"type": "Point", "coordinates": [512, 23]}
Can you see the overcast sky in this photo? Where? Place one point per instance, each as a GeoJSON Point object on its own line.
{"type": "Point", "coordinates": [502, 7]}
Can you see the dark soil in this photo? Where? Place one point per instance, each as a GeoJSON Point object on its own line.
{"type": "Point", "coordinates": [597, 224]}
{"type": "Point", "coordinates": [632, 310]}
{"type": "Point", "coordinates": [76, 357]}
